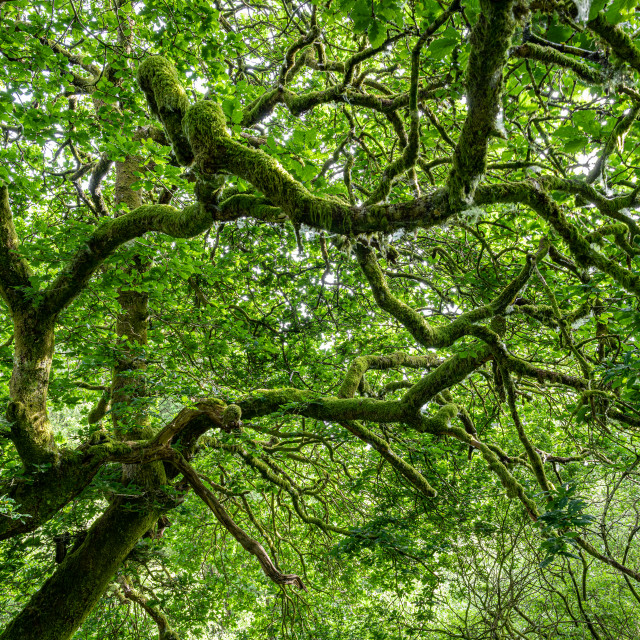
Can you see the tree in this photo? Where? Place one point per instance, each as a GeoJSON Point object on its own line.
{"type": "Point", "coordinates": [349, 287]}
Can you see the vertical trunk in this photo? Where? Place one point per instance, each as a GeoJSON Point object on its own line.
{"type": "Point", "coordinates": [33, 354]}
{"type": "Point", "coordinates": [128, 387]}
{"type": "Point", "coordinates": [64, 601]}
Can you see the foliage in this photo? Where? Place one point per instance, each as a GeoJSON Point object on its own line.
{"type": "Point", "coordinates": [318, 319]}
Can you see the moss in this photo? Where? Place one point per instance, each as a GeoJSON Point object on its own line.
{"type": "Point", "coordinates": [42, 494]}
{"type": "Point", "coordinates": [231, 416]}
{"type": "Point", "coordinates": [14, 270]}
{"type": "Point", "coordinates": [491, 39]}
{"type": "Point", "coordinates": [246, 205]}
{"type": "Point", "coordinates": [441, 425]}
{"type": "Point", "coordinates": [620, 41]}
{"type": "Point", "coordinates": [84, 575]}
{"type": "Point", "coordinates": [167, 100]}
{"type": "Point", "coordinates": [551, 56]}
{"type": "Point", "coordinates": [100, 408]}
{"type": "Point", "coordinates": [426, 334]}
{"type": "Point", "coordinates": [359, 366]}
{"type": "Point", "coordinates": [262, 107]}
{"type": "Point", "coordinates": [308, 403]}
{"type": "Point", "coordinates": [616, 229]}
{"type": "Point", "coordinates": [205, 127]}
{"type": "Point", "coordinates": [541, 202]}
{"type": "Point", "coordinates": [159, 81]}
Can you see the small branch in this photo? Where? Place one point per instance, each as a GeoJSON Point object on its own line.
{"type": "Point", "coordinates": [247, 543]}
{"type": "Point", "coordinates": [164, 629]}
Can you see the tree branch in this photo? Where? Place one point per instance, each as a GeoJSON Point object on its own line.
{"type": "Point", "coordinates": [14, 270]}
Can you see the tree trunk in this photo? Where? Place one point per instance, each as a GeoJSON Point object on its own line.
{"type": "Point", "coordinates": [69, 595]}
{"type": "Point", "coordinates": [31, 431]}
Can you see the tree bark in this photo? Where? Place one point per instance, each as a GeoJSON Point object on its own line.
{"type": "Point", "coordinates": [69, 595]}
{"type": "Point", "coordinates": [33, 353]}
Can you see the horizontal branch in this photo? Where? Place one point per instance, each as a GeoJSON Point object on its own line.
{"type": "Point", "coordinates": [362, 364]}
{"type": "Point", "coordinates": [549, 55]}
{"type": "Point", "coordinates": [107, 237]}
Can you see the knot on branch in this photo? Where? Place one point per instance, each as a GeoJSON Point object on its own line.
{"type": "Point", "coordinates": [231, 418]}
{"type": "Point", "coordinates": [16, 412]}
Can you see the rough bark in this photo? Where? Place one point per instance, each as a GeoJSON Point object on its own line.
{"type": "Point", "coordinates": [69, 595]}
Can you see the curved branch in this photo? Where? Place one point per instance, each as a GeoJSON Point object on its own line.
{"type": "Point", "coordinates": [618, 40]}
{"type": "Point", "coordinates": [111, 234]}
{"type": "Point", "coordinates": [247, 543]}
{"type": "Point", "coordinates": [426, 334]}
{"type": "Point", "coordinates": [549, 55]}
{"type": "Point", "coordinates": [362, 364]}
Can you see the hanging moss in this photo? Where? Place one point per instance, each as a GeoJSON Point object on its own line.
{"type": "Point", "coordinates": [551, 56]}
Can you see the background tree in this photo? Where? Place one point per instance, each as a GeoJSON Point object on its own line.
{"type": "Point", "coordinates": [320, 319]}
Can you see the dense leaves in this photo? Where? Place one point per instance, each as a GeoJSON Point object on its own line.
{"type": "Point", "coordinates": [364, 368]}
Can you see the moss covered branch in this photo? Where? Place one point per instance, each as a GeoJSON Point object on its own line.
{"type": "Point", "coordinates": [620, 41]}
{"type": "Point", "coordinates": [617, 135]}
{"type": "Point", "coordinates": [426, 334]}
{"type": "Point", "coordinates": [549, 55]}
{"type": "Point", "coordinates": [167, 100]}
{"type": "Point", "coordinates": [490, 42]}
{"type": "Point", "coordinates": [406, 470]}
{"type": "Point", "coordinates": [362, 364]}
{"type": "Point", "coordinates": [513, 487]}
{"type": "Point", "coordinates": [14, 269]}
{"type": "Point", "coordinates": [111, 234]}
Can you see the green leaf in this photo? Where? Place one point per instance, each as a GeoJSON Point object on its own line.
{"type": "Point", "coordinates": [377, 33]}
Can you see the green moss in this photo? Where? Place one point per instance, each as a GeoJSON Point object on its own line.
{"type": "Point", "coordinates": [167, 100]}
{"type": "Point", "coordinates": [159, 80]}
{"type": "Point", "coordinates": [261, 108]}
{"type": "Point", "coordinates": [440, 424]}
{"type": "Point", "coordinates": [551, 56]}
{"type": "Point", "coordinates": [205, 127]}
{"type": "Point", "coordinates": [400, 465]}
{"type": "Point", "coordinates": [231, 415]}
{"type": "Point", "coordinates": [82, 578]}
{"type": "Point", "coordinates": [491, 39]}
{"type": "Point", "coordinates": [620, 41]}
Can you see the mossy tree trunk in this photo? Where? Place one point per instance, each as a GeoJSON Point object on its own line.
{"type": "Point", "coordinates": [65, 600]}
{"type": "Point", "coordinates": [33, 355]}
{"type": "Point", "coordinates": [69, 595]}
